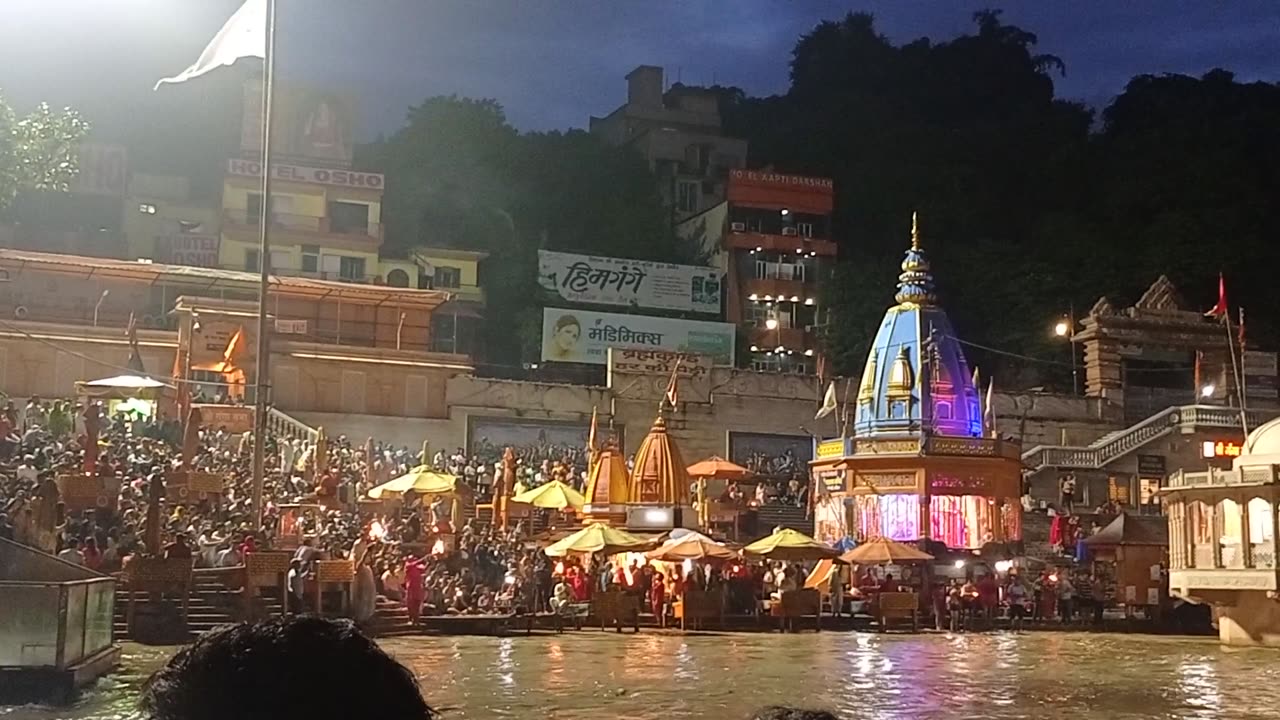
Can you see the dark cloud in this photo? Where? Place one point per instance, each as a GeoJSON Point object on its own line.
{"type": "Point", "coordinates": [553, 63]}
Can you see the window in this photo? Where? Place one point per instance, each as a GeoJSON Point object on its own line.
{"type": "Point", "coordinates": [251, 261]}
{"type": "Point", "coordinates": [687, 196]}
{"type": "Point", "coordinates": [447, 277]}
{"type": "Point", "coordinates": [804, 229]}
{"type": "Point", "coordinates": [310, 258]}
{"type": "Point", "coordinates": [351, 268]}
{"type": "Point", "coordinates": [253, 212]}
{"type": "Point", "coordinates": [348, 218]}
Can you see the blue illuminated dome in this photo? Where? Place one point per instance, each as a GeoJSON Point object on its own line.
{"type": "Point", "coordinates": [916, 380]}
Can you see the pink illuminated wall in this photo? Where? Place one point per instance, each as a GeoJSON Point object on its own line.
{"type": "Point", "coordinates": [959, 521]}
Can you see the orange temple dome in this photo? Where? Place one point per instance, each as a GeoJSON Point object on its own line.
{"type": "Point", "coordinates": [607, 480]}
{"type": "Point", "coordinates": [659, 474]}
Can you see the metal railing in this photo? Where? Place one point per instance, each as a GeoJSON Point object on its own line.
{"type": "Point", "coordinates": [284, 426]}
{"type": "Point", "coordinates": [1109, 447]}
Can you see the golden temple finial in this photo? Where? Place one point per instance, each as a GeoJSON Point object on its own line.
{"type": "Point", "coordinates": [915, 284]}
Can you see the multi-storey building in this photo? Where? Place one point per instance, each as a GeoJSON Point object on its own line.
{"type": "Point", "coordinates": [678, 131]}
{"type": "Point", "coordinates": [775, 238]}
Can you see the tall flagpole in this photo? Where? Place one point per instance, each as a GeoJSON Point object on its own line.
{"type": "Point", "coordinates": [263, 382]}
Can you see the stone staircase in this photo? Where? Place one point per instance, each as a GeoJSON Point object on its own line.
{"type": "Point", "coordinates": [391, 620]}
{"type": "Point", "coordinates": [1096, 455]}
{"type": "Point", "coordinates": [212, 604]}
{"type": "Point", "coordinates": [769, 517]}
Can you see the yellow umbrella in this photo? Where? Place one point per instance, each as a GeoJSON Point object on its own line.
{"type": "Point", "coordinates": [883, 550]}
{"type": "Point", "coordinates": [694, 546]}
{"type": "Point", "coordinates": [554, 495]}
{"type": "Point", "coordinates": [597, 538]}
{"type": "Point", "coordinates": [788, 544]}
{"type": "Point", "coordinates": [421, 479]}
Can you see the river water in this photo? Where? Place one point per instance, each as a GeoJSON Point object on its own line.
{"type": "Point", "coordinates": [662, 676]}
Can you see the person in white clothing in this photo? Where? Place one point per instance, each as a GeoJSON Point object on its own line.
{"type": "Point", "coordinates": [72, 553]}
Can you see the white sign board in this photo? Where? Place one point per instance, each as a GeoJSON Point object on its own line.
{"type": "Point", "coordinates": [581, 336]}
{"type": "Point", "coordinates": [630, 283]}
{"type": "Point", "coordinates": [300, 173]}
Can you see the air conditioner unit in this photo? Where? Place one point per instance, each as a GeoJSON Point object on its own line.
{"type": "Point", "coordinates": [789, 231]}
{"type": "Point", "coordinates": [738, 227]}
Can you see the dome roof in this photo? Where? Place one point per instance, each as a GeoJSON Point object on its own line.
{"type": "Point", "coordinates": [916, 379]}
{"type": "Point", "coordinates": [659, 475]}
{"type": "Point", "coordinates": [1262, 447]}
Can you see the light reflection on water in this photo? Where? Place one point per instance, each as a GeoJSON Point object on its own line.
{"type": "Point", "coordinates": [666, 676]}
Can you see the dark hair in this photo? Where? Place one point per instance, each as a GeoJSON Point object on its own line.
{"type": "Point", "coordinates": [280, 669]}
{"type": "Point", "coordinates": [567, 321]}
{"type": "Point", "coordinates": [782, 712]}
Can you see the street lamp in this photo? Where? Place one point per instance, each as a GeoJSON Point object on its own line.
{"type": "Point", "coordinates": [1207, 391]}
{"type": "Point", "coordinates": [771, 323]}
{"type": "Point", "coordinates": [98, 306]}
{"type": "Point", "coordinates": [1065, 329]}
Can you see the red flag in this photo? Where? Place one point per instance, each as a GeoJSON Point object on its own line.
{"type": "Point", "coordinates": [1219, 310]}
{"type": "Point", "coordinates": [673, 395]}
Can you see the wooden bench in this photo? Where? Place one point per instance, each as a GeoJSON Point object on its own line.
{"type": "Point", "coordinates": [898, 606]}
{"type": "Point", "coordinates": [797, 604]}
{"type": "Point", "coordinates": [616, 608]}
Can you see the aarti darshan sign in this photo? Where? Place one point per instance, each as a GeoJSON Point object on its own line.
{"type": "Point", "coordinates": [631, 283]}
{"type": "Point", "coordinates": [580, 336]}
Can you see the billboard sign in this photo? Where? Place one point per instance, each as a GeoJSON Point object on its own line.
{"type": "Point", "coordinates": [188, 249]}
{"type": "Point", "coordinates": [299, 173]}
{"type": "Point", "coordinates": [630, 283]}
{"type": "Point", "coordinates": [306, 123]}
{"type": "Point", "coordinates": [581, 336]}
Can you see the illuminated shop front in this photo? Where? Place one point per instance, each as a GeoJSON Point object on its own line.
{"type": "Point", "coordinates": [923, 462]}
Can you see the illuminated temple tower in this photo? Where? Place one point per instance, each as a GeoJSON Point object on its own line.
{"type": "Point", "coordinates": [608, 487]}
{"type": "Point", "coordinates": [922, 464]}
{"type": "Point", "coordinates": [659, 482]}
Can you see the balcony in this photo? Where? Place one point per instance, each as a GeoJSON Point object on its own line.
{"type": "Point", "coordinates": [305, 225]}
{"type": "Point", "coordinates": [788, 244]}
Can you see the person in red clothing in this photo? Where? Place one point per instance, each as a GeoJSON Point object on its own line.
{"type": "Point", "coordinates": [988, 597]}
{"type": "Point", "coordinates": [578, 582]}
{"type": "Point", "coordinates": [92, 555]}
{"type": "Point", "coordinates": [658, 599]}
{"type": "Point", "coordinates": [414, 570]}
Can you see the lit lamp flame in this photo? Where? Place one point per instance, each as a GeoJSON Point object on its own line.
{"type": "Point", "coordinates": [560, 568]}
{"type": "Point", "coordinates": [438, 548]}
{"type": "Point", "coordinates": [376, 531]}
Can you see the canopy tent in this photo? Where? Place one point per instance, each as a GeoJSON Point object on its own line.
{"type": "Point", "coordinates": [1129, 530]}
{"type": "Point", "coordinates": [883, 550]}
{"type": "Point", "coordinates": [718, 468]}
{"type": "Point", "coordinates": [554, 495]}
{"type": "Point", "coordinates": [598, 538]}
{"type": "Point", "coordinates": [691, 546]}
{"type": "Point", "coordinates": [422, 480]}
{"type": "Point", "coordinates": [788, 544]}
{"type": "Point", "coordinates": [122, 386]}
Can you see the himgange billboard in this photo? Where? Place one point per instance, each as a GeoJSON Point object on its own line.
{"type": "Point", "coordinates": [630, 283]}
{"type": "Point", "coordinates": [580, 336]}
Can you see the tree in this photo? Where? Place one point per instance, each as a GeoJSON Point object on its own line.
{"type": "Point", "coordinates": [38, 151]}
{"type": "Point", "coordinates": [459, 175]}
{"type": "Point", "coordinates": [968, 132]}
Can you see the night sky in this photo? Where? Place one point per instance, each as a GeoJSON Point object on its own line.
{"type": "Point", "coordinates": [554, 63]}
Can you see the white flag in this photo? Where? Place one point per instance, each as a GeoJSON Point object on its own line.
{"type": "Point", "coordinates": [828, 402]}
{"type": "Point", "coordinates": [244, 35]}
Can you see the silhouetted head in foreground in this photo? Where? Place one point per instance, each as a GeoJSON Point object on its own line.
{"type": "Point", "coordinates": [780, 712]}
{"type": "Point", "coordinates": [283, 669]}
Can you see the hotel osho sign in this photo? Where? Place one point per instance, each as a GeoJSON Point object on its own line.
{"type": "Point", "coordinates": [630, 283]}
{"type": "Point", "coordinates": [581, 336]}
